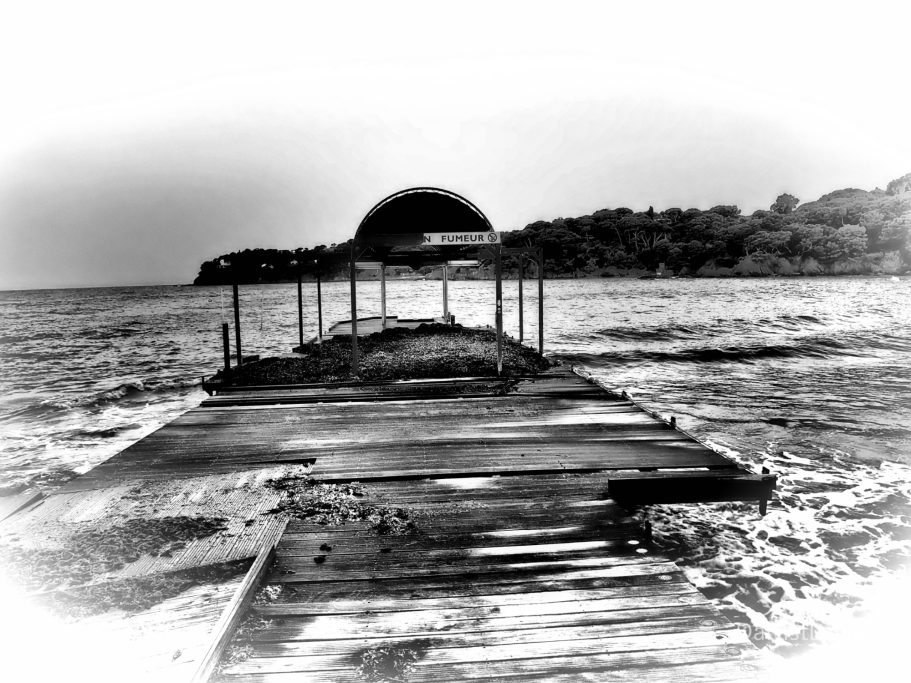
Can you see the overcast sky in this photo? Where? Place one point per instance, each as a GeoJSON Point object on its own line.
{"type": "Point", "coordinates": [135, 144]}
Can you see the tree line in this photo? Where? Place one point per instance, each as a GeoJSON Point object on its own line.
{"type": "Point", "coordinates": [846, 231]}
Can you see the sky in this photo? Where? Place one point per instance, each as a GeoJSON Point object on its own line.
{"type": "Point", "coordinates": [138, 140]}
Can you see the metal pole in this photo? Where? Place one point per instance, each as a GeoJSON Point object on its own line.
{"type": "Point", "coordinates": [499, 290]}
{"type": "Point", "coordinates": [226, 345]}
{"type": "Point", "coordinates": [541, 300]}
{"type": "Point", "coordinates": [446, 292]}
{"type": "Point", "coordinates": [521, 315]}
{"type": "Point", "coordinates": [353, 277]}
{"type": "Point", "coordinates": [319, 305]}
{"type": "Point", "coordinates": [383, 292]}
{"type": "Point", "coordinates": [300, 314]}
{"type": "Point", "coordinates": [240, 355]}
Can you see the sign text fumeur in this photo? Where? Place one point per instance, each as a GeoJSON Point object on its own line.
{"type": "Point", "coordinates": [460, 238]}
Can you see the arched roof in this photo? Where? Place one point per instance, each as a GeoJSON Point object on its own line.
{"type": "Point", "coordinates": [392, 230]}
{"type": "Point", "coordinates": [419, 210]}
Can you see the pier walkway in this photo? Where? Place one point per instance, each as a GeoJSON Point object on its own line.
{"type": "Point", "coordinates": [518, 560]}
{"type": "Point", "coordinates": [374, 324]}
{"type": "Point", "coordinates": [519, 566]}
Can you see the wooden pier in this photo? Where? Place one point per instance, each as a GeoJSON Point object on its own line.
{"type": "Point", "coordinates": [372, 324]}
{"type": "Point", "coordinates": [524, 561]}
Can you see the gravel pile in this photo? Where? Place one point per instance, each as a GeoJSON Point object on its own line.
{"type": "Point", "coordinates": [430, 351]}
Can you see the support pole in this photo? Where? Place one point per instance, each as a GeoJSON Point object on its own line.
{"type": "Point", "coordinates": [300, 315]}
{"type": "Point", "coordinates": [521, 314]}
{"type": "Point", "coordinates": [226, 345]}
{"type": "Point", "coordinates": [764, 503]}
{"type": "Point", "coordinates": [240, 355]}
{"type": "Point", "coordinates": [383, 293]}
{"type": "Point", "coordinates": [319, 305]}
{"type": "Point", "coordinates": [498, 260]}
{"type": "Point", "coordinates": [541, 300]}
{"type": "Point", "coordinates": [353, 276]}
{"type": "Point", "coordinates": [446, 292]}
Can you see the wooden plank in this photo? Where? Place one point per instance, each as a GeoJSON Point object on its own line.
{"type": "Point", "coordinates": [355, 544]}
{"type": "Point", "coordinates": [501, 573]}
{"type": "Point", "coordinates": [734, 640]}
{"type": "Point", "coordinates": [10, 505]}
{"type": "Point", "coordinates": [398, 559]}
{"type": "Point", "coordinates": [635, 488]}
{"type": "Point", "coordinates": [709, 667]}
{"type": "Point", "coordinates": [280, 641]}
{"type": "Point", "coordinates": [232, 614]}
{"type": "Point", "coordinates": [329, 387]}
{"type": "Point", "coordinates": [458, 586]}
{"type": "Point", "coordinates": [494, 597]}
{"type": "Point", "coordinates": [490, 616]}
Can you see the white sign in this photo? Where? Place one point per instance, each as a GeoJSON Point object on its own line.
{"type": "Point", "coordinates": [456, 239]}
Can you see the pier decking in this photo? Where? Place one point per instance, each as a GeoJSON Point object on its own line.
{"type": "Point", "coordinates": [373, 324]}
{"type": "Point", "coordinates": [520, 564]}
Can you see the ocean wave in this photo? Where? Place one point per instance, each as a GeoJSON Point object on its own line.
{"type": "Point", "coordinates": [127, 330]}
{"type": "Point", "coordinates": [122, 392]}
{"type": "Point", "coordinates": [834, 527]}
{"type": "Point", "coordinates": [720, 327]}
{"type": "Point", "coordinates": [109, 432]}
{"type": "Point", "coordinates": [35, 336]}
{"type": "Point", "coordinates": [129, 390]}
{"type": "Point", "coordinates": [814, 347]}
{"type": "Point", "coordinates": [639, 334]}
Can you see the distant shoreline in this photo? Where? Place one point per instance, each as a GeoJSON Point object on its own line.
{"type": "Point", "coordinates": [751, 270]}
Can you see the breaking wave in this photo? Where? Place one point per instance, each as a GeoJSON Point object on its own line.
{"type": "Point", "coordinates": [719, 327]}
{"type": "Point", "coordinates": [125, 392]}
{"type": "Point", "coordinates": [811, 347]}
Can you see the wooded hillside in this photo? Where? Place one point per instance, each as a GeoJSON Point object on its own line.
{"type": "Point", "coordinates": [848, 231]}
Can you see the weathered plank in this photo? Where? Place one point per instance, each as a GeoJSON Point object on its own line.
{"type": "Point", "coordinates": [10, 505]}
{"type": "Point", "coordinates": [682, 642]}
{"type": "Point", "coordinates": [233, 613]}
{"type": "Point", "coordinates": [469, 585]}
{"type": "Point", "coordinates": [634, 488]}
{"type": "Point", "coordinates": [709, 665]}
{"type": "Point", "coordinates": [389, 603]}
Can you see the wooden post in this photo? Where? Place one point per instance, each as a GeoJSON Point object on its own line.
{"type": "Point", "coordinates": [226, 345]}
{"type": "Point", "coordinates": [353, 277]}
{"type": "Point", "coordinates": [541, 300]}
{"type": "Point", "coordinates": [383, 293]}
{"type": "Point", "coordinates": [521, 316]}
{"type": "Point", "coordinates": [764, 502]}
{"type": "Point", "coordinates": [300, 315]}
{"type": "Point", "coordinates": [498, 261]}
{"type": "Point", "coordinates": [240, 355]}
{"type": "Point", "coordinates": [446, 292]}
{"type": "Point", "coordinates": [319, 305]}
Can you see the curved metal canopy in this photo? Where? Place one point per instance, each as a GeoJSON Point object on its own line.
{"type": "Point", "coordinates": [393, 230]}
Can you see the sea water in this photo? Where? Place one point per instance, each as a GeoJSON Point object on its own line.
{"type": "Point", "coordinates": [810, 377]}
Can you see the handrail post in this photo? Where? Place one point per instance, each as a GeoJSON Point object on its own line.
{"type": "Point", "coordinates": [319, 304]}
{"type": "Point", "coordinates": [498, 261]}
{"type": "Point", "coordinates": [521, 316]}
{"type": "Point", "coordinates": [300, 314]}
{"type": "Point", "coordinates": [240, 355]}
{"type": "Point", "coordinates": [383, 293]}
{"type": "Point", "coordinates": [541, 300]}
{"type": "Point", "coordinates": [353, 276]}
{"type": "Point", "coordinates": [226, 346]}
{"type": "Point", "coordinates": [446, 292]}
